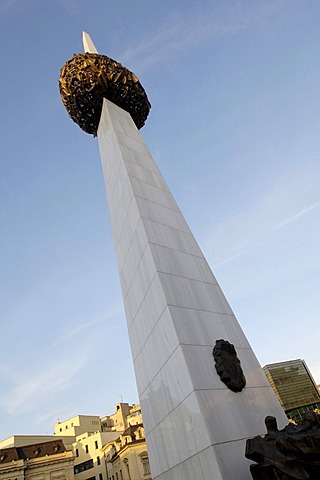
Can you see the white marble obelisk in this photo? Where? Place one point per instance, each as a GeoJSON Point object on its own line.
{"type": "Point", "coordinates": [196, 427]}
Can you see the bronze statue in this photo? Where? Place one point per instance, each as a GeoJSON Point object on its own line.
{"type": "Point", "coordinates": [292, 453]}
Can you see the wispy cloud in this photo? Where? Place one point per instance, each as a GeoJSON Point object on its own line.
{"type": "Point", "coordinates": [33, 387]}
{"type": "Point", "coordinates": [297, 216]}
{"type": "Point", "coordinates": [35, 391]}
{"type": "Point", "coordinates": [184, 31]}
{"type": "Point", "coordinates": [176, 37]}
{"type": "Point", "coordinates": [288, 202]}
{"type": "Point", "coordinates": [88, 324]}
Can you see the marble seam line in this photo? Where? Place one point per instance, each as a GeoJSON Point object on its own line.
{"type": "Point", "coordinates": [177, 306]}
{"type": "Point", "coordinates": [185, 398]}
{"type": "Point", "coordinates": [168, 226]}
{"type": "Point", "coordinates": [177, 209]}
{"type": "Point", "coordinates": [170, 304]}
{"type": "Point", "coordinates": [154, 170]}
{"type": "Point", "coordinates": [119, 204]}
{"type": "Point", "coordinates": [168, 248]}
{"type": "Point", "coordinates": [195, 454]}
{"type": "Point", "coordinates": [169, 274]}
{"type": "Point", "coordinates": [130, 244]}
{"type": "Point", "coordinates": [118, 237]}
{"type": "Point", "coordinates": [155, 325]}
{"type": "Point", "coordinates": [183, 354]}
{"type": "Point", "coordinates": [109, 157]}
{"type": "Point", "coordinates": [134, 196]}
{"type": "Point", "coordinates": [163, 188]}
{"type": "Point", "coordinates": [135, 272]}
{"type": "Point", "coordinates": [160, 271]}
{"type": "Point", "coordinates": [157, 244]}
{"type": "Point", "coordinates": [181, 343]}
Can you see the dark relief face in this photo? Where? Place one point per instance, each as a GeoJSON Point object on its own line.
{"type": "Point", "coordinates": [228, 366]}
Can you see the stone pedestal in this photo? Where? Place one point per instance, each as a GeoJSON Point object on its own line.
{"type": "Point", "coordinates": [196, 427]}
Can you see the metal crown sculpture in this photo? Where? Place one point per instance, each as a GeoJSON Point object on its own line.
{"type": "Point", "coordinates": [89, 77]}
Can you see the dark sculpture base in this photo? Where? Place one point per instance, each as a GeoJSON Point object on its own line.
{"type": "Point", "coordinates": [289, 454]}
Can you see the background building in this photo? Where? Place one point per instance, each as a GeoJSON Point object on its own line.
{"type": "Point", "coordinates": [40, 461]}
{"type": "Point", "coordinates": [294, 387]}
{"type": "Point", "coordinates": [119, 435]}
{"type": "Point", "coordinates": [127, 458]}
{"type": "Point", "coordinates": [84, 447]}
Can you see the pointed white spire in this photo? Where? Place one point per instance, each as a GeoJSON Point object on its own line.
{"type": "Point", "coordinates": [88, 44]}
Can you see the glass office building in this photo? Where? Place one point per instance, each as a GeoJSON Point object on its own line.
{"type": "Point", "coordinates": [294, 386]}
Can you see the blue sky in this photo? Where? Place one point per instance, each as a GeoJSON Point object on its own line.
{"type": "Point", "coordinates": [234, 127]}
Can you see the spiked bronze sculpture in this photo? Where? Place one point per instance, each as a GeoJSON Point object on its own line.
{"type": "Point", "coordinates": [88, 78]}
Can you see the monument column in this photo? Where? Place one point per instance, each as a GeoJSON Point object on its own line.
{"type": "Point", "coordinates": [196, 425]}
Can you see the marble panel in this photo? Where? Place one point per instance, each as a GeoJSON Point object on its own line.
{"type": "Point", "coordinates": [140, 283]}
{"type": "Point", "coordinates": [130, 267]}
{"type": "Point", "coordinates": [120, 215]}
{"type": "Point", "coordinates": [154, 194]}
{"type": "Point", "coordinates": [123, 247]}
{"type": "Point", "coordinates": [111, 156]}
{"type": "Point", "coordinates": [130, 263]}
{"type": "Point", "coordinates": [151, 309]}
{"type": "Point", "coordinates": [163, 334]}
{"type": "Point", "coordinates": [202, 466]}
{"type": "Point", "coordinates": [158, 213]}
{"type": "Point", "coordinates": [179, 436]}
{"type": "Point", "coordinates": [144, 160]}
{"type": "Point", "coordinates": [145, 175]}
{"type": "Point", "coordinates": [137, 145]}
{"type": "Point", "coordinates": [182, 264]}
{"type": "Point", "coordinates": [230, 416]}
{"type": "Point", "coordinates": [171, 237]}
{"type": "Point", "coordinates": [232, 462]}
{"type": "Point", "coordinates": [197, 327]}
{"type": "Point", "coordinates": [125, 129]}
{"type": "Point", "coordinates": [184, 292]}
{"type": "Point", "coordinates": [171, 386]}
{"type": "Point", "coordinates": [120, 185]}
{"type": "Point", "coordinates": [171, 371]}
{"type": "Point", "coordinates": [125, 235]}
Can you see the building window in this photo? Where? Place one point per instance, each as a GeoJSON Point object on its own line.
{"type": "Point", "coordinates": [77, 452]}
{"type": "Point", "coordinates": [91, 478]}
{"type": "Point", "coordinates": [96, 444]}
{"type": "Point", "coordinates": [82, 467]}
{"type": "Point", "coordinates": [100, 476]}
{"type": "Point", "coordinates": [145, 464]}
{"type": "Point", "coordinates": [126, 462]}
{"type": "Point", "coordinates": [87, 449]}
{"type": "Point", "coordinates": [117, 476]}
{"type": "Point", "coordinates": [98, 461]}
{"type": "Point", "coordinates": [121, 476]}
